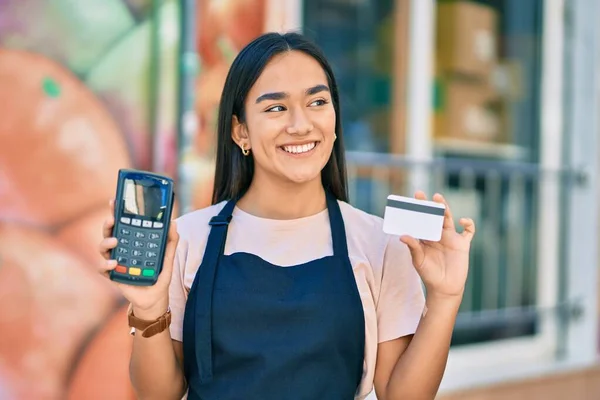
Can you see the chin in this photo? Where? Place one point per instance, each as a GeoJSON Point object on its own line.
{"type": "Point", "coordinates": [302, 180]}
{"type": "Point", "coordinates": [302, 171]}
{"type": "Point", "coordinates": [303, 177]}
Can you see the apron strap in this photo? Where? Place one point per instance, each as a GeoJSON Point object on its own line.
{"type": "Point", "coordinates": [215, 246]}
{"type": "Point", "coordinates": [338, 229]}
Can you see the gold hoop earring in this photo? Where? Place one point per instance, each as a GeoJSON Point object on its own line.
{"type": "Point", "coordinates": [244, 151]}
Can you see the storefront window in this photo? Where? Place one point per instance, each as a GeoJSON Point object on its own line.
{"type": "Point", "coordinates": [358, 39]}
{"type": "Point", "coordinates": [487, 108]}
{"type": "Point", "coordinates": [487, 78]}
{"type": "Point", "coordinates": [486, 85]}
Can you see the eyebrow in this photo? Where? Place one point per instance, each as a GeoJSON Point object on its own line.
{"type": "Point", "coordinates": [282, 95]}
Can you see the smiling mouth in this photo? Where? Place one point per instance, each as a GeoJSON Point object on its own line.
{"type": "Point", "coordinates": [300, 149]}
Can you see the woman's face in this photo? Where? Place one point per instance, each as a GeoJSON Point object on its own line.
{"type": "Point", "coordinates": [290, 120]}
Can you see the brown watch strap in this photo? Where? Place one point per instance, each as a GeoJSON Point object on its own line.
{"type": "Point", "coordinates": [149, 327]}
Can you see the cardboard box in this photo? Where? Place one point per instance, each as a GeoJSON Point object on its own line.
{"type": "Point", "coordinates": [466, 38]}
{"type": "Point", "coordinates": [508, 81]}
{"type": "Point", "coordinates": [503, 108]}
{"type": "Point", "coordinates": [466, 111]}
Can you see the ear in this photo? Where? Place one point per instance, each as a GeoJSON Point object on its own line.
{"type": "Point", "coordinates": [239, 133]}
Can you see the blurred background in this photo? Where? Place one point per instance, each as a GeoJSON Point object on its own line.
{"type": "Point", "coordinates": [494, 103]}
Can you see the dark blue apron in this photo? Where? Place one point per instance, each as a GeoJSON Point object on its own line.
{"type": "Point", "coordinates": [254, 330]}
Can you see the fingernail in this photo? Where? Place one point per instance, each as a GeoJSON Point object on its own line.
{"type": "Point", "coordinates": [111, 263]}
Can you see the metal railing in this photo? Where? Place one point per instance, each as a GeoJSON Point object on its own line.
{"type": "Point", "coordinates": [508, 200]}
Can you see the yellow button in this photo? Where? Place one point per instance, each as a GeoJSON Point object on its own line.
{"type": "Point", "coordinates": [134, 271]}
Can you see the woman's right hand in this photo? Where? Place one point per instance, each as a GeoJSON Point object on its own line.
{"type": "Point", "coordinates": [149, 302]}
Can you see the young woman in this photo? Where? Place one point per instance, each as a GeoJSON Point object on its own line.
{"type": "Point", "coordinates": [281, 289]}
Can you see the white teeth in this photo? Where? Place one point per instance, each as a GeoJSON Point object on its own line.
{"type": "Point", "coordinates": [300, 149]}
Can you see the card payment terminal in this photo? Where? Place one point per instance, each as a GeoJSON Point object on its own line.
{"type": "Point", "coordinates": [143, 208]}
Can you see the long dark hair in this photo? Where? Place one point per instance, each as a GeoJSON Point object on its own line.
{"type": "Point", "coordinates": [234, 171]}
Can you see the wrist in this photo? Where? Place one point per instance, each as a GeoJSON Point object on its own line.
{"type": "Point", "coordinates": [442, 302]}
{"type": "Point", "coordinates": [151, 313]}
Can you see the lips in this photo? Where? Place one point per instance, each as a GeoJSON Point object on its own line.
{"type": "Point", "coordinates": [299, 148]}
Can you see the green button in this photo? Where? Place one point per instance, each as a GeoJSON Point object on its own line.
{"type": "Point", "coordinates": [148, 272]}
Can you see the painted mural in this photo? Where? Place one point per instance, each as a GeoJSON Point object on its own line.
{"type": "Point", "coordinates": [88, 87]}
{"type": "Point", "coordinates": [223, 28]}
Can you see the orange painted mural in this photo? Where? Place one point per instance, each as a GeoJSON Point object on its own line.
{"type": "Point", "coordinates": [223, 29]}
{"type": "Point", "coordinates": [86, 90]}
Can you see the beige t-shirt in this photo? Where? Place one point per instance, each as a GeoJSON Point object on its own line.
{"type": "Point", "coordinates": [390, 289]}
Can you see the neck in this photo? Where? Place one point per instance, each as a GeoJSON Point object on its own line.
{"type": "Point", "coordinates": [266, 198]}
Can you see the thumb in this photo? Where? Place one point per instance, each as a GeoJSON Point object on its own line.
{"type": "Point", "coordinates": [416, 250]}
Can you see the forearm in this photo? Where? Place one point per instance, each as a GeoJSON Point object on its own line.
{"type": "Point", "coordinates": [154, 370]}
{"type": "Point", "coordinates": [419, 371]}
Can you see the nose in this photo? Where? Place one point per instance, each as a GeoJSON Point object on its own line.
{"type": "Point", "coordinates": [299, 124]}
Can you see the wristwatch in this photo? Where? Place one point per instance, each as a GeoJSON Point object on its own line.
{"type": "Point", "coordinates": [148, 328]}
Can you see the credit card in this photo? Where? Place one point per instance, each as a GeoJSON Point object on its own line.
{"type": "Point", "coordinates": [421, 219]}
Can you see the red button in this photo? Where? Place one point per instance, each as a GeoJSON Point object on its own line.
{"type": "Point", "coordinates": [120, 269]}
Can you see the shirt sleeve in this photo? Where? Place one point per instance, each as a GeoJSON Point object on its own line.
{"type": "Point", "coordinates": [401, 297]}
{"type": "Point", "coordinates": [177, 291]}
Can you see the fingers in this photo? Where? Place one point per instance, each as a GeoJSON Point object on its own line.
{"type": "Point", "coordinates": [106, 267]}
{"type": "Point", "coordinates": [416, 250]}
{"type": "Point", "coordinates": [420, 195]}
{"type": "Point", "coordinates": [448, 218]}
{"type": "Point", "coordinates": [106, 245]}
{"type": "Point", "coordinates": [107, 227]}
{"type": "Point", "coordinates": [438, 198]}
{"type": "Point", "coordinates": [468, 228]}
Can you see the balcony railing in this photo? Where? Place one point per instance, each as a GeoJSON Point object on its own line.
{"type": "Point", "coordinates": [517, 208]}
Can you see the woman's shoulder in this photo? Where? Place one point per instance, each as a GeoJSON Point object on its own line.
{"type": "Point", "coordinates": [357, 220]}
{"type": "Point", "coordinates": [367, 240]}
{"type": "Point", "coordinates": [364, 231]}
{"type": "Point", "coordinates": [196, 222]}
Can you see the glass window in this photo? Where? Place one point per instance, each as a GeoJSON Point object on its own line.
{"type": "Point", "coordinates": [486, 108]}
{"type": "Point", "coordinates": [358, 39]}
{"type": "Point", "coordinates": [487, 70]}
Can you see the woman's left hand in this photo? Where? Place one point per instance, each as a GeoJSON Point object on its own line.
{"type": "Point", "coordinates": [443, 266]}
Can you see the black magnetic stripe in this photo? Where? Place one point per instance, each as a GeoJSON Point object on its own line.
{"type": "Point", "coordinates": [415, 207]}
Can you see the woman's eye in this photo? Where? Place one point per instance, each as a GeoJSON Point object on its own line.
{"type": "Point", "coordinates": [319, 102]}
{"type": "Point", "coordinates": [276, 109]}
